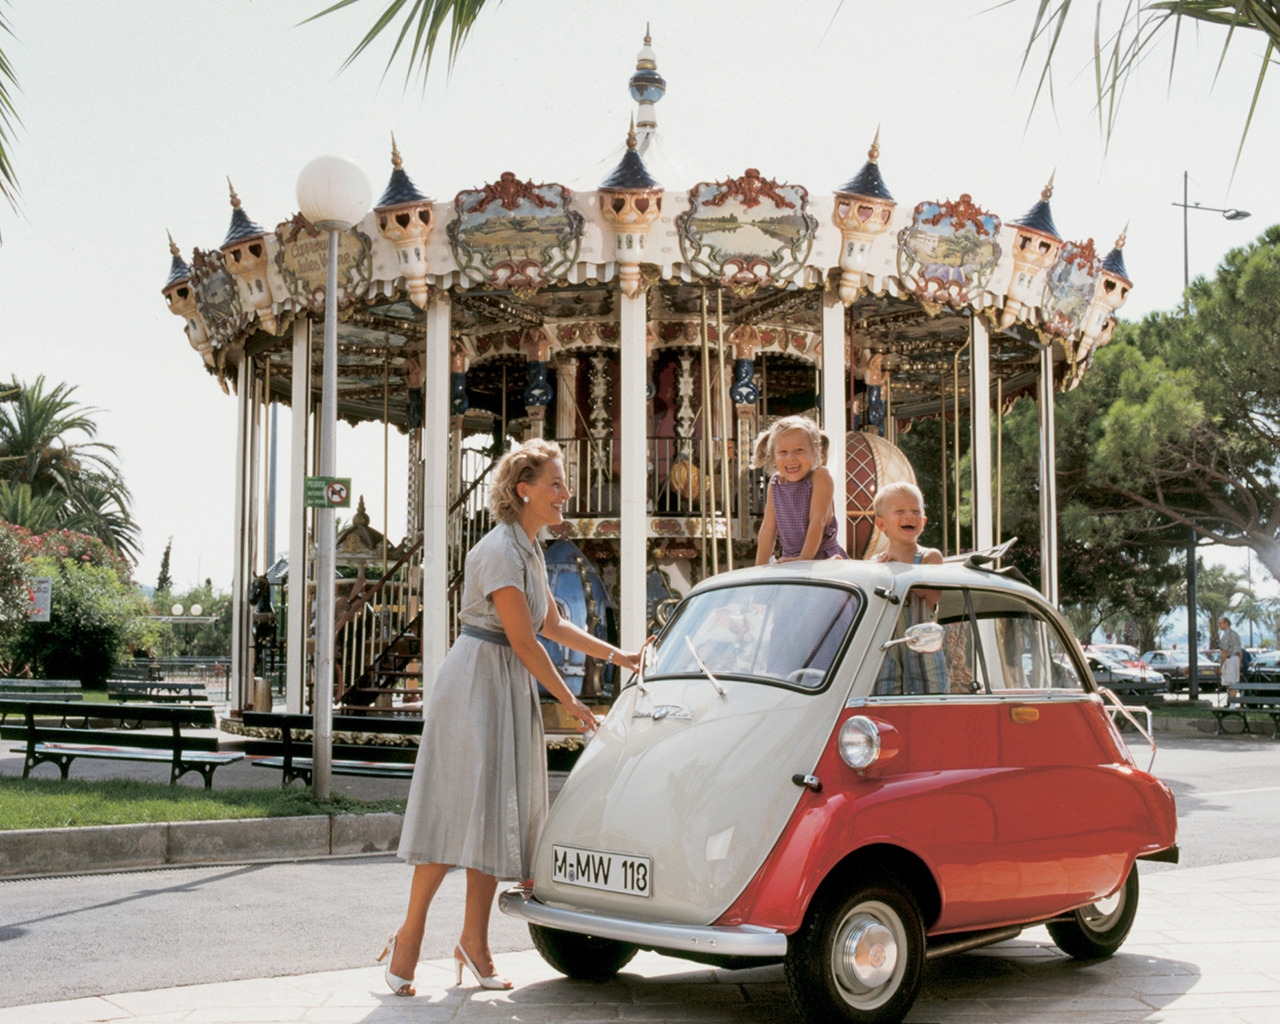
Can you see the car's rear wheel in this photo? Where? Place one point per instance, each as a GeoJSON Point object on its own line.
{"type": "Point", "coordinates": [581, 957]}
{"type": "Point", "coordinates": [858, 957]}
{"type": "Point", "coordinates": [1098, 930]}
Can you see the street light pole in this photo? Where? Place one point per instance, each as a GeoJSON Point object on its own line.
{"type": "Point", "coordinates": [1193, 641]}
{"type": "Point", "coordinates": [334, 195]}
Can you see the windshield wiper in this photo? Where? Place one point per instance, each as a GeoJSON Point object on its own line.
{"type": "Point", "coordinates": [705, 671]}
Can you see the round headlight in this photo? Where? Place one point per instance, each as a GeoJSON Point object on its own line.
{"type": "Point", "coordinates": [859, 742]}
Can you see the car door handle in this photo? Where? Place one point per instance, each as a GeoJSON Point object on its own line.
{"type": "Point", "coordinates": [807, 781]}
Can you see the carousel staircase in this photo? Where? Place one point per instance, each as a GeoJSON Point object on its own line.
{"type": "Point", "coordinates": [396, 669]}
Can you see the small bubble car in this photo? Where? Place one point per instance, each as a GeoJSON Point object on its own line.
{"type": "Point", "coordinates": [819, 769]}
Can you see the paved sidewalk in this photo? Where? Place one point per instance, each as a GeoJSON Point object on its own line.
{"type": "Point", "coordinates": [1205, 950]}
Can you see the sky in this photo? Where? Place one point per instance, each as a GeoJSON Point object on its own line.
{"type": "Point", "coordinates": [136, 112]}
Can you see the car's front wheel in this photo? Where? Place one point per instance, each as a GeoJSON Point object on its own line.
{"type": "Point", "coordinates": [581, 957]}
{"type": "Point", "coordinates": [857, 957]}
{"type": "Point", "coordinates": [1098, 930]}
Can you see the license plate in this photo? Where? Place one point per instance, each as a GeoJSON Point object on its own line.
{"type": "Point", "coordinates": [592, 869]}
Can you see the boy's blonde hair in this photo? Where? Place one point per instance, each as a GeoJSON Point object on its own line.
{"type": "Point", "coordinates": [765, 443]}
{"type": "Point", "coordinates": [519, 466]}
{"type": "Point", "coordinates": [893, 490]}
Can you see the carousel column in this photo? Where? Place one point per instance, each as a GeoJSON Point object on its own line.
{"type": "Point", "coordinates": [980, 413]}
{"type": "Point", "coordinates": [435, 496]}
{"type": "Point", "coordinates": [240, 688]}
{"type": "Point", "coordinates": [299, 614]}
{"type": "Point", "coordinates": [834, 402]}
{"type": "Point", "coordinates": [633, 443]}
{"type": "Point", "coordinates": [1048, 482]}
{"type": "Point", "coordinates": [566, 423]}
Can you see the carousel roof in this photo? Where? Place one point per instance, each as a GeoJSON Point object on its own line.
{"type": "Point", "coordinates": [533, 265]}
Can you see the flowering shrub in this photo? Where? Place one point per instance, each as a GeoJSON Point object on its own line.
{"type": "Point", "coordinates": [15, 583]}
{"type": "Point", "coordinates": [97, 614]}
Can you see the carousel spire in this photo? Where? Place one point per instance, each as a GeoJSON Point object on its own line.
{"type": "Point", "coordinates": [647, 87]}
{"type": "Point", "coordinates": [245, 252]}
{"type": "Point", "coordinates": [864, 207]}
{"type": "Point", "coordinates": [867, 182]}
{"type": "Point", "coordinates": [242, 227]}
{"type": "Point", "coordinates": [630, 200]}
{"type": "Point", "coordinates": [631, 172]}
{"type": "Point", "coordinates": [404, 219]}
{"type": "Point", "coordinates": [1114, 263]}
{"type": "Point", "coordinates": [1038, 218]}
{"type": "Point", "coordinates": [400, 189]}
{"type": "Point", "coordinates": [179, 272]}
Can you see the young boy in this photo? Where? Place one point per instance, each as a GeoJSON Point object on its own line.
{"type": "Point", "coordinates": [899, 509]}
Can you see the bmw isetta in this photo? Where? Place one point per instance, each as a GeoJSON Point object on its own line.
{"type": "Point", "coordinates": [804, 774]}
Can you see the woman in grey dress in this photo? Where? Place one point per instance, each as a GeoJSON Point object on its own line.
{"type": "Point", "coordinates": [479, 794]}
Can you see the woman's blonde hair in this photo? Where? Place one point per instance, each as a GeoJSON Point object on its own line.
{"type": "Point", "coordinates": [519, 466]}
{"type": "Point", "coordinates": [893, 490]}
{"type": "Point", "coordinates": [765, 443]}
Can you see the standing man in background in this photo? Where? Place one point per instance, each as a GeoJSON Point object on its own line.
{"type": "Point", "coordinates": [1229, 646]}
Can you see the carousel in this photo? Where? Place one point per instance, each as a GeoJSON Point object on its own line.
{"type": "Point", "coordinates": [651, 326]}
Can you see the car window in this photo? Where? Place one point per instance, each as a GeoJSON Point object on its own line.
{"type": "Point", "coordinates": [778, 632]}
{"type": "Point", "coordinates": [993, 642]}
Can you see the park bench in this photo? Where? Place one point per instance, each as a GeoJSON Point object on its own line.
{"type": "Point", "coordinates": [1247, 698]}
{"type": "Point", "coordinates": [354, 752]}
{"type": "Point", "coordinates": [48, 740]}
{"type": "Point", "coordinates": [157, 691]}
{"type": "Point", "coordinates": [37, 689]}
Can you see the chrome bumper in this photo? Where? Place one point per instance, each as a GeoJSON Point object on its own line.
{"type": "Point", "coordinates": [743, 940]}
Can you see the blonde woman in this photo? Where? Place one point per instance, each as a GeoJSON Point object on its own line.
{"type": "Point", "coordinates": [478, 798]}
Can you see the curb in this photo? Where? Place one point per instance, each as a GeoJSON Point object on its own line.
{"type": "Point", "coordinates": [32, 853]}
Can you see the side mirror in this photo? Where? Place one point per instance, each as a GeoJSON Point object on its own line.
{"type": "Point", "coordinates": [924, 638]}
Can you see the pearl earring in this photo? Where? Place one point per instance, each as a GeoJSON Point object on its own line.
{"type": "Point", "coordinates": [526, 499]}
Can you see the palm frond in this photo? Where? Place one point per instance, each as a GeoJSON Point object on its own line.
{"type": "Point", "coordinates": [9, 119]}
{"type": "Point", "coordinates": [423, 21]}
{"type": "Point", "coordinates": [1117, 53]}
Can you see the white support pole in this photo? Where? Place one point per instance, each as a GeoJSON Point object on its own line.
{"type": "Point", "coordinates": [435, 497]}
{"type": "Point", "coordinates": [1048, 481]}
{"type": "Point", "coordinates": [834, 404]}
{"type": "Point", "coordinates": [299, 613]}
{"type": "Point", "coordinates": [634, 448]}
{"type": "Point", "coordinates": [239, 585]}
{"type": "Point", "coordinates": [980, 420]}
{"type": "Point", "coordinates": [252, 531]}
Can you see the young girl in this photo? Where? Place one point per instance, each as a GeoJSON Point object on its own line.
{"type": "Point", "coordinates": [799, 510]}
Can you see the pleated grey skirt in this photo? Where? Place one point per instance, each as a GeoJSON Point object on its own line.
{"type": "Point", "coordinates": [479, 793]}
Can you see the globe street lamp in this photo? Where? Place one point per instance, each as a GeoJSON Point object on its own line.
{"type": "Point", "coordinates": [1193, 640]}
{"type": "Point", "coordinates": [334, 195]}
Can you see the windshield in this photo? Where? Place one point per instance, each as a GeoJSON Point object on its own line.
{"type": "Point", "coordinates": [786, 633]}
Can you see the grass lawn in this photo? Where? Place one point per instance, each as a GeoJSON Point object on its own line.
{"type": "Point", "coordinates": [52, 803]}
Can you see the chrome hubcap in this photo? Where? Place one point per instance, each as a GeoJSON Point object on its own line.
{"type": "Point", "coordinates": [866, 956]}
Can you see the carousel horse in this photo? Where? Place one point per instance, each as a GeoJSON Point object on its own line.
{"type": "Point", "coordinates": [263, 619]}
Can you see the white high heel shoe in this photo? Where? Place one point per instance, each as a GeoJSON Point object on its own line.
{"type": "Point", "coordinates": [493, 981]}
{"type": "Point", "coordinates": [400, 986]}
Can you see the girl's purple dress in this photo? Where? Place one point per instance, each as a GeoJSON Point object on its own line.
{"type": "Point", "coordinates": [791, 512]}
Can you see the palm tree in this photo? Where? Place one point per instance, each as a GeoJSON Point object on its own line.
{"type": "Point", "coordinates": [53, 473]}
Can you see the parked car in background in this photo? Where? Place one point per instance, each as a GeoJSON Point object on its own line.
{"type": "Point", "coordinates": [799, 776]}
{"type": "Point", "coordinates": [1265, 668]}
{"type": "Point", "coordinates": [1141, 684]}
{"type": "Point", "coordinates": [1173, 665]}
{"type": "Point", "coordinates": [1126, 654]}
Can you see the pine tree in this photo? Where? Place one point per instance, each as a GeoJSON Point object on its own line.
{"type": "Point", "coordinates": [164, 582]}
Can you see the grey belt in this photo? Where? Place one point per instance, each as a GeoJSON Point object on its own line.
{"type": "Point", "coordinates": [492, 636]}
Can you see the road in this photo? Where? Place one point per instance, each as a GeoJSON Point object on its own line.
{"type": "Point", "coordinates": [89, 935]}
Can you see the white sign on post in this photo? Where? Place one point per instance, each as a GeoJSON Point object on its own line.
{"type": "Point", "coordinates": [41, 598]}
